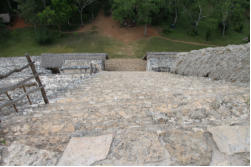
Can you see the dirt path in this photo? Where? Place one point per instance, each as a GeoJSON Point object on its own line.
{"type": "Point", "coordinates": [19, 23]}
{"type": "Point", "coordinates": [111, 28]}
{"type": "Point", "coordinates": [185, 42]}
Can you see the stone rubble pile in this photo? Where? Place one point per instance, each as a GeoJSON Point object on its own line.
{"type": "Point", "coordinates": [230, 63]}
{"type": "Point", "coordinates": [56, 85]}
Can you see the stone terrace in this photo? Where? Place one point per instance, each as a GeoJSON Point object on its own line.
{"type": "Point", "coordinates": [155, 119]}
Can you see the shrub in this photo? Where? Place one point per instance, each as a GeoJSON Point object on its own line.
{"type": "Point", "coordinates": [44, 36]}
{"type": "Point", "coordinates": [193, 32]}
{"type": "Point", "coordinates": [107, 7]}
{"type": "Point", "coordinates": [208, 34]}
{"type": "Point", "coordinates": [4, 32]}
{"type": "Point", "coordinates": [166, 30]}
{"type": "Point", "coordinates": [239, 28]}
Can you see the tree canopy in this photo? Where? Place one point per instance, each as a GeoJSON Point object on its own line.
{"type": "Point", "coordinates": [215, 15]}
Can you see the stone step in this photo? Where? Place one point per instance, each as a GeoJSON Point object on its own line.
{"type": "Point", "coordinates": [125, 65]}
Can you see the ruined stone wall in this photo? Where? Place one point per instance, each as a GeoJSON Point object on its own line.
{"type": "Point", "coordinates": [56, 85]}
{"type": "Point", "coordinates": [160, 61]}
{"type": "Point", "coordinates": [50, 60]}
{"type": "Point", "coordinates": [230, 63]}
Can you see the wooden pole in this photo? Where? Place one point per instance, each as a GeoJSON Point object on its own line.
{"type": "Point", "coordinates": [33, 69]}
{"type": "Point", "coordinates": [15, 107]}
{"type": "Point", "coordinates": [91, 69]}
{"type": "Point", "coordinates": [27, 96]}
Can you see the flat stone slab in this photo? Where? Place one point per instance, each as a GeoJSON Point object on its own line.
{"type": "Point", "coordinates": [231, 139]}
{"type": "Point", "coordinates": [23, 155]}
{"type": "Point", "coordinates": [82, 151]}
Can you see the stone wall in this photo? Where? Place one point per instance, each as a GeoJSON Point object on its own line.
{"type": "Point", "coordinates": [230, 63]}
{"type": "Point", "coordinates": [160, 61]}
{"type": "Point", "coordinates": [49, 60]}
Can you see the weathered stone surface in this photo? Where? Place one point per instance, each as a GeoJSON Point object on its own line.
{"type": "Point", "coordinates": [200, 113]}
{"type": "Point", "coordinates": [229, 63]}
{"type": "Point", "coordinates": [86, 150]}
{"type": "Point", "coordinates": [160, 61]}
{"type": "Point", "coordinates": [231, 139]}
{"type": "Point", "coordinates": [136, 147]}
{"type": "Point", "coordinates": [22, 155]}
{"type": "Point", "coordinates": [138, 108]}
{"type": "Point", "coordinates": [49, 60]}
{"type": "Point", "coordinates": [221, 159]}
{"type": "Point", "coordinates": [188, 148]}
{"type": "Point", "coordinates": [55, 84]}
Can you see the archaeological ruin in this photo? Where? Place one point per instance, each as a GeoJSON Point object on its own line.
{"type": "Point", "coordinates": [189, 108]}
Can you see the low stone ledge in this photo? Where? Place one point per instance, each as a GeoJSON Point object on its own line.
{"type": "Point", "coordinates": [49, 60]}
{"type": "Point", "coordinates": [160, 61]}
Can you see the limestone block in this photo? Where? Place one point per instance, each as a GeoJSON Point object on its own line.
{"type": "Point", "coordinates": [231, 139]}
{"type": "Point", "coordinates": [188, 148]}
{"type": "Point", "coordinates": [86, 150]}
{"type": "Point", "coordinates": [23, 155]}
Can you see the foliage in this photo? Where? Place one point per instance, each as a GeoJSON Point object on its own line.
{"type": "Point", "coordinates": [107, 5]}
{"type": "Point", "coordinates": [4, 32]}
{"type": "Point", "coordinates": [29, 9]}
{"type": "Point", "coordinates": [81, 5]}
{"type": "Point", "coordinates": [44, 36]}
{"type": "Point", "coordinates": [237, 18]}
{"type": "Point", "coordinates": [166, 29]}
{"type": "Point", "coordinates": [145, 10]}
{"type": "Point", "coordinates": [58, 13]}
{"type": "Point", "coordinates": [131, 12]}
{"type": "Point", "coordinates": [198, 18]}
{"type": "Point", "coordinates": [124, 11]}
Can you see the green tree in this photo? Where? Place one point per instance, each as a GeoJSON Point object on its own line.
{"type": "Point", "coordinates": [4, 32]}
{"type": "Point", "coordinates": [135, 11]}
{"type": "Point", "coordinates": [145, 10]}
{"type": "Point", "coordinates": [175, 6]}
{"type": "Point", "coordinates": [81, 5]}
{"type": "Point", "coordinates": [237, 15]}
{"type": "Point", "coordinates": [194, 9]}
{"type": "Point", "coordinates": [58, 13]}
{"type": "Point", "coordinates": [124, 10]}
{"type": "Point", "coordinates": [29, 9]}
{"type": "Point", "coordinates": [223, 10]}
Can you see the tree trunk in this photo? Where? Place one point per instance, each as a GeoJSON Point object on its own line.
{"type": "Point", "coordinates": [176, 14]}
{"type": "Point", "coordinates": [81, 17]}
{"type": "Point", "coordinates": [224, 29]}
{"type": "Point", "coordinates": [145, 32]}
{"type": "Point", "coordinates": [176, 17]}
{"type": "Point", "coordinates": [44, 3]}
{"type": "Point", "coordinates": [9, 4]}
{"type": "Point", "coordinates": [199, 17]}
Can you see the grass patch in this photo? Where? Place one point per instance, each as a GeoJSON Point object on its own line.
{"type": "Point", "coordinates": [156, 44]}
{"type": "Point", "coordinates": [179, 33]}
{"type": "Point", "coordinates": [22, 41]}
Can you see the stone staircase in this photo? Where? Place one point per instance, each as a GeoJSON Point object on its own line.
{"type": "Point", "coordinates": [125, 65]}
{"type": "Point", "coordinates": [155, 119]}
